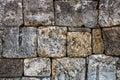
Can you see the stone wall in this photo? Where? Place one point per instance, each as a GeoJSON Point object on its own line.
{"type": "Point", "coordinates": [59, 39]}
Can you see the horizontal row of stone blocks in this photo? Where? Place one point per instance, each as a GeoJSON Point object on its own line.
{"type": "Point", "coordinates": [54, 41]}
{"type": "Point", "coordinates": [95, 67]}
{"type": "Point", "coordinates": [59, 12]}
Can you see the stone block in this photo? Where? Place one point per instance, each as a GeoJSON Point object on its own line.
{"type": "Point", "coordinates": [39, 67]}
{"type": "Point", "coordinates": [38, 12]}
{"type": "Point", "coordinates": [68, 69]}
{"type": "Point", "coordinates": [10, 79]}
{"type": "Point", "coordinates": [52, 41]}
{"type": "Point", "coordinates": [33, 78]}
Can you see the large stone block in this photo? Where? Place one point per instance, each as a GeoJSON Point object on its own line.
{"type": "Point", "coordinates": [101, 67]}
{"type": "Point", "coordinates": [38, 12]}
{"type": "Point", "coordinates": [79, 44]}
{"type": "Point", "coordinates": [76, 12]}
{"type": "Point", "coordinates": [11, 67]}
{"type": "Point", "coordinates": [52, 41]}
{"type": "Point", "coordinates": [11, 13]}
{"type": "Point", "coordinates": [68, 69]}
{"type": "Point", "coordinates": [109, 13]}
{"type": "Point", "coordinates": [37, 67]}
{"type": "Point", "coordinates": [111, 37]}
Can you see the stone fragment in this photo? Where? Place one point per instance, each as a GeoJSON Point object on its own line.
{"type": "Point", "coordinates": [98, 46]}
{"type": "Point", "coordinates": [52, 41]}
{"type": "Point", "coordinates": [101, 67]}
{"type": "Point", "coordinates": [11, 13]}
{"type": "Point", "coordinates": [11, 67]}
{"type": "Point", "coordinates": [11, 43]}
{"type": "Point", "coordinates": [33, 78]}
{"type": "Point", "coordinates": [38, 12]}
{"type": "Point", "coordinates": [1, 36]}
{"type": "Point", "coordinates": [27, 42]}
{"type": "Point", "coordinates": [78, 44]}
{"type": "Point", "coordinates": [37, 67]}
{"type": "Point", "coordinates": [68, 69]}
{"type": "Point", "coordinates": [109, 13]}
{"type": "Point", "coordinates": [111, 38]}
{"type": "Point", "coordinates": [76, 12]}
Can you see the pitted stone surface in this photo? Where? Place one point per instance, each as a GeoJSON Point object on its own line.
{"type": "Point", "coordinates": [10, 13]}
{"type": "Point", "coordinates": [101, 67]}
{"type": "Point", "coordinates": [109, 13]}
{"type": "Point", "coordinates": [111, 37]}
{"type": "Point", "coordinates": [52, 41]}
{"type": "Point", "coordinates": [27, 46]}
{"type": "Point", "coordinates": [68, 69]}
{"type": "Point", "coordinates": [76, 12]}
{"type": "Point", "coordinates": [79, 44]}
{"type": "Point", "coordinates": [1, 36]}
{"type": "Point", "coordinates": [33, 78]}
{"type": "Point", "coordinates": [37, 67]}
{"type": "Point", "coordinates": [11, 67]}
{"type": "Point", "coordinates": [98, 46]}
{"type": "Point", "coordinates": [11, 44]}
{"type": "Point", "coordinates": [38, 12]}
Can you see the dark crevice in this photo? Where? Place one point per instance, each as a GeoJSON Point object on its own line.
{"type": "Point", "coordinates": [54, 12]}
{"type": "Point", "coordinates": [23, 12]}
{"type": "Point", "coordinates": [86, 72]}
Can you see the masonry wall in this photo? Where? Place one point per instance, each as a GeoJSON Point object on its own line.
{"type": "Point", "coordinates": [59, 39]}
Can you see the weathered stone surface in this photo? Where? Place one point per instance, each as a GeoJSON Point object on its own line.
{"type": "Point", "coordinates": [37, 67]}
{"type": "Point", "coordinates": [78, 29]}
{"type": "Point", "coordinates": [109, 13]}
{"type": "Point", "coordinates": [111, 37]}
{"type": "Point", "coordinates": [11, 13]}
{"type": "Point", "coordinates": [11, 67]}
{"type": "Point", "coordinates": [38, 12]}
{"type": "Point", "coordinates": [11, 44]}
{"type": "Point", "coordinates": [101, 67]}
{"type": "Point", "coordinates": [52, 41]}
{"type": "Point", "coordinates": [10, 78]}
{"type": "Point", "coordinates": [1, 36]}
{"type": "Point", "coordinates": [79, 44]}
{"type": "Point", "coordinates": [27, 42]}
{"type": "Point", "coordinates": [33, 78]}
{"type": "Point", "coordinates": [118, 69]}
{"type": "Point", "coordinates": [76, 12]}
{"type": "Point", "coordinates": [98, 46]}
{"type": "Point", "coordinates": [68, 69]}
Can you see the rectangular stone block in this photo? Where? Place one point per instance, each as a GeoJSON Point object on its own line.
{"type": "Point", "coordinates": [11, 13]}
{"type": "Point", "coordinates": [98, 46]}
{"type": "Point", "coordinates": [38, 12]}
{"type": "Point", "coordinates": [40, 67]}
{"type": "Point", "coordinates": [111, 38]}
{"type": "Point", "coordinates": [27, 42]}
{"type": "Point", "coordinates": [10, 78]}
{"type": "Point", "coordinates": [68, 69]}
{"type": "Point", "coordinates": [101, 67]}
{"type": "Point", "coordinates": [79, 44]}
{"type": "Point", "coordinates": [109, 14]}
{"type": "Point", "coordinates": [52, 41]}
{"type": "Point", "coordinates": [76, 12]}
{"type": "Point", "coordinates": [11, 67]}
{"type": "Point", "coordinates": [33, 78]}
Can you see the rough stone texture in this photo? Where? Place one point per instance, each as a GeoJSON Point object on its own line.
{"type": "Point", "coordinates": [10, 13]}
{"type": "Point", "coordinates": [37, 67]}
{"type": "Point", "coordinates": [79, 44]}
{"type": "Point", "coordinates": [11, 67]}
{"type": "Point", "coordinates": [118, 69]}
{"type": "Point", "coordinates": [1, 36]}
{"type": "Point", "coordinates": [27, 42]}
{"type": "Point", "coordinates": [101, 67]}
{"type": "Point", "coordinates": [52, 41]}
{"type": "Point", "coordinates": [111, 37]}
{"type": "Point", "coordinates": [98, 46]}
{"type": "Point", "coordinates": [38, 12]}
{"type": "Point", "coordinates": [78, 29]}
{"type": "Point", "coordinates": [68, 69]}
{"type": "Point", "coordinates": [10, 79]}
{"type": "Point", "coordinates": [76, 12]}
{"type": "Point", "coordinates": [109, 13]}
{"type": "Point", "coordinates": [33, 78]}
{"type": "Point", "coordinates": [11, 44]}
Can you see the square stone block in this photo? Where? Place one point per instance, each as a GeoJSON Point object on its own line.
{"type": "Point", "coordinates": [11, 13]}
{"type": "Point", "coordinates": [68, 69]}
{"type": "Point", "coordinates": [111, 37]}
{"type": "Point", "coordinates": [101, 67]}
{"type": "Point", "coordinates": [38, 12]}
{"type": "Point", "coordinates": [52, 41]}
{"type": "Point", "coordinates": [79, 44]}
{"type": "Point", "coordinates": [76, 12]}
{"type": "Point", "coordinates": [11, 67]}
{"type": "Point", "coordinates": [109, 14]}
{"type": "Point", "coordinates": [40, 67]}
